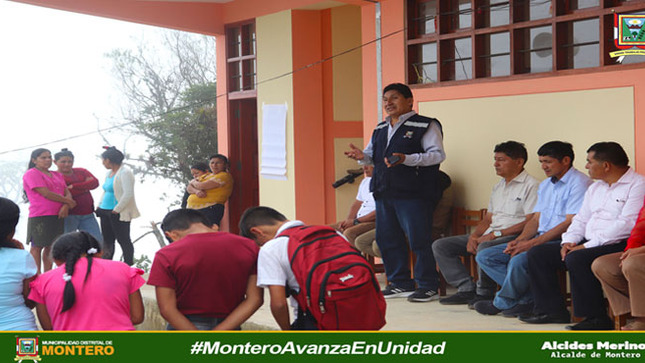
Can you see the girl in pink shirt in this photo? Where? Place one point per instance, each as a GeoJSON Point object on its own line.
{"type": "Point", "coordinates": [49, 204]}
{"type": "Point", "coordinates": [87, 292]}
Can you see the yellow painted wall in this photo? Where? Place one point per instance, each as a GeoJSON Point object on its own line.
{"type": "Point", "coordinates": [472, 127]}
{"type": "Point", "coordinates": [348, 86]}
{"type": "Point", "coordinates": [274, 57]}
{"type": "Point", "coordinates": [345, 194]}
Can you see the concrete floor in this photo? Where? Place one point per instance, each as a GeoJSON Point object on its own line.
{"type": "Point", "coordinates": [401, 316]}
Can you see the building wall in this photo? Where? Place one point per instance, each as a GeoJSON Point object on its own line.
{"type": "Point", "coordinates": [347, 117]}
{"type": "Point", "coordinates": [324, 101]}
{"type": "Point", "coordinates": [274, 58]}
{"type": "Point", "coordinates": [581, 108]}
{"type": "Point", "coordinates": [473, 126]}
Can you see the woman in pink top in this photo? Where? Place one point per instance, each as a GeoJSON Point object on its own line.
{"type": "Point", "coordinates": [87, 292]}
{"type": "Point", "coordinates": [49, 204]}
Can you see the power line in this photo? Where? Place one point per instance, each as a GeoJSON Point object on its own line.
{"type": "Point", "coordinates": [152, 118]}
{"type": "Point", "coordinates": [499, 6]}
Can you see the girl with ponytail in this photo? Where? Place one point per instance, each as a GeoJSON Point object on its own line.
{"type": "Point", "coordinates": [87, 292]}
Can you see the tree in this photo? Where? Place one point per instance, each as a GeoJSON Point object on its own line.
{"type": "Point", "coordinates": [11, 173]}
{"type": "Point", "coordinates": [171, 98]}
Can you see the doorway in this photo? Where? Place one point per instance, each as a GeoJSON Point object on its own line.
{"type": "Point", "coordinates": [243, 156]}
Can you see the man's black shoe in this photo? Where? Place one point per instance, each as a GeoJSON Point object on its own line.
{"type": "Point", "coordinates": [477, 298]}
{"type": "Point", "coordinates": [460, 298]}
{"type": "Point", "coordinates": [518, 310]}
{"type": "Point", "coordinates": [547, 319]}
{"type": "Point", "coordinates": [603, 323]}
{"type": "Point", "coordinates": [486, 307]}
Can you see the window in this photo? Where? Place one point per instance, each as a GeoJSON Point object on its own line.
{"type": "Point", "coordinates": [462, 40]}
{"type": "Point", "coordinates": [240, 57]}
{"type": "Point", "coordinates": [494, 55]}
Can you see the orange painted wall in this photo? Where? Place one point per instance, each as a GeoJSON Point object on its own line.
{"type": "Point", "coordinates": [328, 118]}
{"type": "Point", "coordinates": [308, 116]}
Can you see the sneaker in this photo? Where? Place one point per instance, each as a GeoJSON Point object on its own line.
{"type": "Point", "coordinates": [460, 298]}
{"type": "Point", "coordinates": [518, 310]}
{"type": "Point", "coordinates": [390, 291]}
{"type": "Point", "coordinates": [486, 307]}
{"type": "Point", "coordinates": [423, 295]}
{"type": "Point", "coordinates": [473, 301]}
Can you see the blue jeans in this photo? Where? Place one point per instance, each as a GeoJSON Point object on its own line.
{"type": "Point", "coordinates": [404, 224]}
{"type": "Point", "coordinates": [86, 222]}
{"type": "Point", "coordinates": [510, 273]}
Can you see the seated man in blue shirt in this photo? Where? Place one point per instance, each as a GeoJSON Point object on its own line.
{"type": "Point", "coordinates": [559, 199]}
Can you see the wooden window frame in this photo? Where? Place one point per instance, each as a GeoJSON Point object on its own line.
{"type": "Point", "coordinates": [560, 21]}
{"type": "Point", "coordinates": [247, 61]}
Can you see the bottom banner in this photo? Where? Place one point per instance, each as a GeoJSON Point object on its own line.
{"type": "Point", "coordinates": [283, 347]}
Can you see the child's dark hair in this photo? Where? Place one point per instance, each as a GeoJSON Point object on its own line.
{"type": "Point", "coordinates": [259, 216]}
{"type": "Point", "coordinates": [113, 155]}
{"type": "Point", "coordinates": [70, 247]}
{"type": "Point", "coordinates": [201, 166]}
{"type": "Point", "coordinates": [182, 219]}
{"type": "Point", "coordinates": [34, 154]}
{"type": "Point", "coordinates": [9, 216]}
{"type": "Point", "coordinates": [63, 153]}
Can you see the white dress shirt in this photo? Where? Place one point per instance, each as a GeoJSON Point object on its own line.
{"type": "Point", "coordinates": [608, 212]}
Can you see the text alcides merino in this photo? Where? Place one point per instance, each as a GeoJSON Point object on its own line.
{"type": "Point", "coordinates": [626, 345]}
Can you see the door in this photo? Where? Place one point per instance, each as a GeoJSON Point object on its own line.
{"type": "Point", "coordinates": [243, 155]}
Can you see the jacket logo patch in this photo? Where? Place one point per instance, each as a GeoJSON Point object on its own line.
{"type": "Point", "coordinates": [408, 134]}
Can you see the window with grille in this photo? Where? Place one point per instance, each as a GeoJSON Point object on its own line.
{"type": "Point", "coordinates": [465, 40]}
{"type": "Point", "coordinates": [240, 57]}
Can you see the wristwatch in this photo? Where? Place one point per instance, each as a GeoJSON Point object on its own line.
{"type": "Point", "coordinates": [497, 234]}
{"type": "Point", "coordinates": [356, 221]}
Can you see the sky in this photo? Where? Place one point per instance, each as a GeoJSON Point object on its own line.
{"type": "Point", "coordinates": [55, 83]}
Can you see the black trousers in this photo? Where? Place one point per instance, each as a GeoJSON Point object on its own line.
{"type": "Point", "coordinates": [112, 228]}
{"type": "Point", "coordinates": [544, 261]}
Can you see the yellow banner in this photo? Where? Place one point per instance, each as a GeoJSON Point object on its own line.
{"type": "Point", "coordinates": [622, 53]}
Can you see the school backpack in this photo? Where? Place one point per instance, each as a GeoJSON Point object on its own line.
{"type": "Point", "coordinates": [337, 285]}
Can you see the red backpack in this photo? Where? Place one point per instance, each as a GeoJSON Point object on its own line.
{"type": "Point", "coordinates": [337, 285]}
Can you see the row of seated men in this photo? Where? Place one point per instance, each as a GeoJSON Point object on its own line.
{"type": "Point", "coordinates": [534, 230]}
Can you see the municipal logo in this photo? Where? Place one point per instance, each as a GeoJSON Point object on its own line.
{"type": "Point", "coordinates": [27, 349]}
{"type": "Point", "coordinates": [629, 35]}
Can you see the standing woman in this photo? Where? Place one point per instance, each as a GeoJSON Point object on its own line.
{"type": "Point", "coordinates": [217, 188]}
{"type": "Point", "coordinates": [117, 206]}
{"type": "Point", "coordinates": [49, 204]}
{"type": "Point", "coordinates": [79, 183]}
{"type": "Point", "coordinates": [17, 269]}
